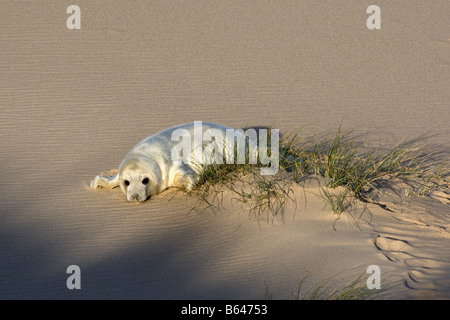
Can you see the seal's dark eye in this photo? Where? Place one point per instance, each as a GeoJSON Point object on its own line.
{"type": "Point", "coordinates": [145, 181]}
{"type": "Point", "coordinates": [126, 182]}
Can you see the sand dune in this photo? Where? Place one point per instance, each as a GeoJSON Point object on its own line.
{"type": "Point", "coordinates": [74, 102]}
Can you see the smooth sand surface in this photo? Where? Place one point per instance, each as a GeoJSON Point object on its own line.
{"type": "Point", "coordinates": [74, 102]}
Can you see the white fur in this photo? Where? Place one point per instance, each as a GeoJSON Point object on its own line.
{"type": "Point", "coordinates": [151, 159]}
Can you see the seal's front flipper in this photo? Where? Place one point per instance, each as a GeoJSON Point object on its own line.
{"type": "Point", "coordinates": [105, 182]}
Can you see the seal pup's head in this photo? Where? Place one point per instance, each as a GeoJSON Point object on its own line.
{"type": "Point", "coordinates": [140, 178]}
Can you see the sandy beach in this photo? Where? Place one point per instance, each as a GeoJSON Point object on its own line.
{"type": "Point", "coordinates": [74, 102]}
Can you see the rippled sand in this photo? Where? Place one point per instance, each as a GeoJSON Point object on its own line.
{"type": "Point", "coordinates": [74, 102]}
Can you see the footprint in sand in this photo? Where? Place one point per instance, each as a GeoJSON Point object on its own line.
{"type": "Point", "coordinates": [423, 263]}
{"type": "Point", "coordinates": [391, 244]}
{"type": "Point", "coordinates": [423, 273]}
{"type": "Point", "coordinates": [420, 280]}
{"type": "Point", "coordinates": [397, 256]}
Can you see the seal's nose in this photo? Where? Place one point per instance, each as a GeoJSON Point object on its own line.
{"type": "Point", "coordinates": [135, 196]}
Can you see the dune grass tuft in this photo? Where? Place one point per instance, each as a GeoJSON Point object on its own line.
{"type": "Point", "coordinates": [356, 289]}
{"type": "Point", "coordinates": [345, 163]}
{"type": "Point", "coordinates": [339, 158]}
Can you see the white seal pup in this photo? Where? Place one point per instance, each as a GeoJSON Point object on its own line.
{"type": "Point", "coordinates": [150, 167]}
